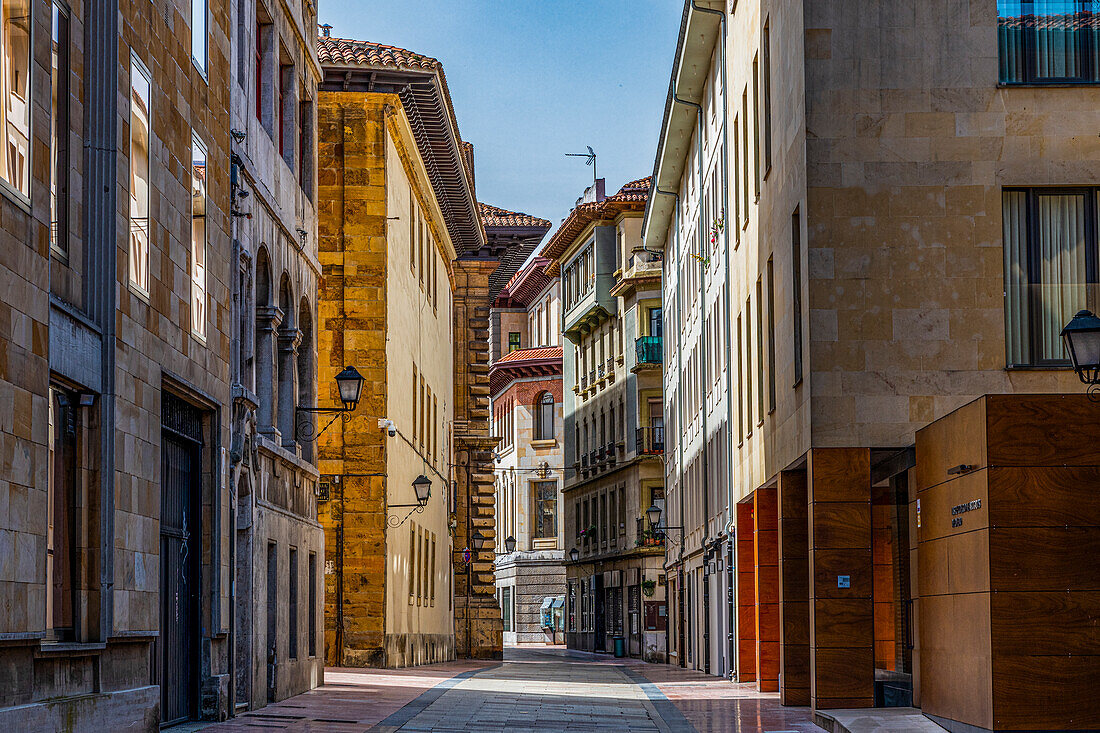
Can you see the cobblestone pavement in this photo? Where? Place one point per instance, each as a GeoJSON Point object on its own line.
{"type": "Point", "coordinates": [533, 689]}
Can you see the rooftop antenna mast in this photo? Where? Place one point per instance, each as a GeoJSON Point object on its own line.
{"type": "Point", "coordinates": [590, 159]}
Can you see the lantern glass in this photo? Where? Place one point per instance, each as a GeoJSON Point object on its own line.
{"type": "Point", "coordinates": [478, 540]}
{"type": "Point", "coordinates": [422, 485]}
{"type": "Point", "coordinates": [1082, 339]}
{"type": "Point", "coordinates": [654, 515]}
{"type": "Point", "coordinates": [574, 554]}
{"type": "Point", "coordinates": [350, 384]}
{"type": "Point", "coordinates": [510, 544]}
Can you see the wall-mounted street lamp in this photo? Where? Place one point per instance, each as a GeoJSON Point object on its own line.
{"type": "Point", "coordinates": [422, 489]}
{"type": "Point", "coordinates": [509, 544]}
{"type": "Point", "coordinates": [349, 383]}
{"type": "Point", "coordinates": [574, 554]}
{"type": "Point", "coordinates": [1082, 339]}
{"type": "Point", "coordinates": [653, 514]}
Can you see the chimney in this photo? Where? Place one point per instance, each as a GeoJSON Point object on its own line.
{"type": "Point", "coordinates": [593, 193]}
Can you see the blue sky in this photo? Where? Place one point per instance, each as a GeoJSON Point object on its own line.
{"type": "Point", "coordinates": [532, 80]}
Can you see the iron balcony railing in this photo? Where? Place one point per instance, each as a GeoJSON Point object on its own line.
{"type": "Point", "coordinates": [610, 451]}
{"type": "Point", "coordinates": [592, 378]}
{"type": "Point", "coordinates": [650, 350]}
{"type": "Point", "coordinates": [600, 371]}
{"type": "Point", "coordinates": [651, 441]}
{"type": "Point", "coordinates": [584, 382]}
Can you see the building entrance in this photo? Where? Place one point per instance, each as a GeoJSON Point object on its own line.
{"type": "Point", "coordinates": [180, 557]}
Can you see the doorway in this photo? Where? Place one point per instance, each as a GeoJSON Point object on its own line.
{"type": "Point", "coordinates": [180, 558]}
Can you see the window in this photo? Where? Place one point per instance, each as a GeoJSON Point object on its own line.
{"type": "Point", "coordinates": [766, 51]}
{"type": "Point", "coordinates": [656, 324]}
{"type": "Point", "coordinates": [59, 132]}
{"type": "Point", "coordinates": [1050, 255]}
{"type": "Point", "coordinates": [513, 341]}
{"type": "Point", "coordinates": [305, 148]}
{"type": "Point", "coordinates": [198, 238]}
{"type": "Point", "coordinates": [771, 335]}
{"type": "Point", "coordinates": [544, 417]}
{"type": "Point", "coordinates": [741, 370]}
{"type": "Point", "coordinates": [431, 580]}
{"type": "Point", "coordinates": [414, 231]}
{"type": "Point", "coordinates": [140, 126]}
{"type": "Point", "coordinates": [198, 34]}
{"type": "Point", "coordinates": [745, 151]}
{"type": "Point", "coordinates": [756, 125]}
{"type": "Point", "coordinates": [412, 563]}
{"type": "Point", "coordinates": [796, 292]}
{"type": "Point", "coordinates": [545, 499]}
{"type": "Point", "coordinates": [312, 593]}
{"type": "Point", "coordinates": [748, 365]}
{"type": "Point", "coordinates": [292, 615]}
{"type": "Point", "coordinates": [285, 113]}
{"type": "Point", "coordinates": [1048, 41]}
{"type": "Point", "coordinates": [16, 113]}
{"type": "Point", "coordinates": [506, 607]}
{"type": "Point", "coordinates": [61, 530]}
{"type": "Point", "coordinates": [736, 184]}
{"type": "Point", "coordinates": [759, 350]}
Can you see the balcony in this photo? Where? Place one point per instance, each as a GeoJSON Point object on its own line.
{"type": "Point", "coordinates": [650, 351]}
{"type": "Point", "coordinates": [601, 372]}
{"type": "Point", "coordinates": [611, 453]}
{"type": "Point", "coordinates": [611, 369]}
{"type": "Point", "coordinates": [650, 441]}
{"type": "Point", "coordinates": [584, 383]}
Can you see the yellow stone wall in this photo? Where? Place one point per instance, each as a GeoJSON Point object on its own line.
{"type": "Point", "coordinates": [375, 314]}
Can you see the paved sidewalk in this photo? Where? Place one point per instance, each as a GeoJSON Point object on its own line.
{"type": "Point", "coordinates": [533, 689]}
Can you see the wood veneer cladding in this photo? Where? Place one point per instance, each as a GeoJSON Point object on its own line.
{"type": "Point", "coordinates": [794, 591]}
{"type": "Point", "coordinates": [955, 439]}
{"type": "Point", "coordinates": [1044, 559]}
{"type": "Point", "coordinates": [839, 475]}
{"type": "Point", "coordinates": [841, 629]}
{"type": "Point", "coordinates": [1066, 700]}
{"type": "Point", "coordinates": [1045, 623]}
{"type": "Point", "coordinates": [956, 658]}
{"type": "Point", "coordinates": [1047, 496]}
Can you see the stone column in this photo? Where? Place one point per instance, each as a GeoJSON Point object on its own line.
{"type": "Point", "coordinates": [479, 631]}
{"type": "Point", "coordinates": [289, 340]}
{"type": "Point", "coordinates": [268, 319]}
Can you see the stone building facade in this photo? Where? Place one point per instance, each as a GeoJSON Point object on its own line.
{"type": "Point", "coordinates": [407, 271]}
{"type": "Point", "coordinates": [116, 586]}
{"type": "Point", "coordinates": [526, 385]}
{"type": "Point", "coordinates": [279, 545]}
{"type": "Point", "coordinates": [614, 424]}
{"type": "Point", "coordinates": [896, 178]}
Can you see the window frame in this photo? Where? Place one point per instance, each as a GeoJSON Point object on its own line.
{"type": "Point", "coordinates": [1030, 339]}
{"type": "Point", "coordinates": [203, 65]}
{"type": "Point", "coordinates": [60, 121]}
{"type": "Point", "coordinates": [536, 504]}
{"type": "Point", "coordinates": [1086, 53]}
{"type": "Point", "coordinates": [197, 333]}
{"type": "Point", "coordinates": [544, 431]}
{"type": "Point", "coordinates": [23, 199]}
{"type": "Point", "coordinates": [137, 66]}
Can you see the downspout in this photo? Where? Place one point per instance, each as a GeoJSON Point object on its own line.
{"type": "Point", "coordinates": [235, 349]}
{"type": "Point", "coordinates": [339, 641]}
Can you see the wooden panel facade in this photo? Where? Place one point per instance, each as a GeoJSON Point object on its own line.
{"type": "Point", "coordinates": [1007, 568]}
{"type": "Point", "coordinates": [766, 547]}
{"type": "Point", "coordinates": [794, 590]}
{"type": "Point", "coordinates": [746, 594]}
{"type": "Point", "coordinates": [841, 593]}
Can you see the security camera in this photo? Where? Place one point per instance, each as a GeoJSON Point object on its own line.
{"type": "Point", "coordinates": [388, 426]}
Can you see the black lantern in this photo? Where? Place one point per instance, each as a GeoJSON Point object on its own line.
{"type": "Point", "coordinates": [1082, 338]}
{"type": "Point", "coordinates": [654, 515]}
{"type": "Point", "coordinates": [350, 384]}
{"type": "Point", "coordinates": [510, 544]}
{"type": "Point", "coordinates": [574, 554]}
{"type": "Point", "coordinates": [479, 540]}
{"type": "Point", "coordinates": [422, 486]}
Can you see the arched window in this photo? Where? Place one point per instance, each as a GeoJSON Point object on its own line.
{"type": "Point", "coordinates": [267, 324]}
{"type": "Point", "coordinates": [544, 417]}
{"type": "Point", "coordinates": [286, 364]}
{"type": "Point", "coordinates": [306, 369]}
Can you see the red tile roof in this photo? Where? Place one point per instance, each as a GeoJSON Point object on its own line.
{"type": "Point", "coordinates": [494, 216]}
{"type": "Point", "coordinates": [540, 352]}
{"type": "Point", "coordinates": [347, 52]}
{"type": "Point", "coordinates": [631, 197]}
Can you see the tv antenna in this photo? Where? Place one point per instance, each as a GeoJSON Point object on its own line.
{"type": "Point", "coordinates": [590, 159]}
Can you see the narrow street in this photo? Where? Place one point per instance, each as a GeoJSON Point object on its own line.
{"type": "Point", "coordinates": [534, 689]}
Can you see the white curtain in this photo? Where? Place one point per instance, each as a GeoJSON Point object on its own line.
{"type": "Point", "coordinates": [1061, 267]}
{"type": "Point", "coordinates": [1015, 251]}
{"type": "Point", "coordinates": [1057, 38]}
